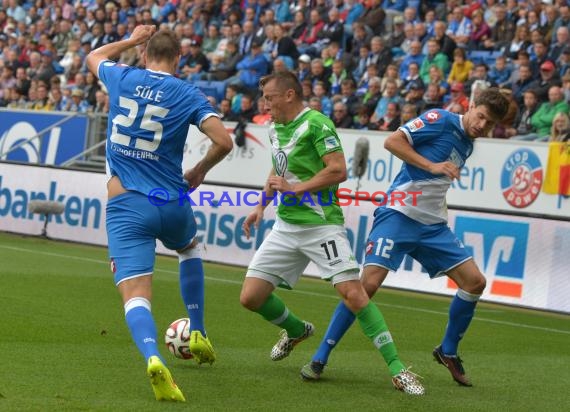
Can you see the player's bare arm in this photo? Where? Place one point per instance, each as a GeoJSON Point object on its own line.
{"type": "Point", "coordinates": [333, 173]}
{"type": "Point", "coordinates": [141, 34]}
{"type": "Point", "coordinates": [397, 144]}
{"type": "Point", "coordinates": [221, 145]}
{"type": "Point", "coordinates": [256, 214]}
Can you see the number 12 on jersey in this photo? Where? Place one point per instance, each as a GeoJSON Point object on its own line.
{"type": "Point", "coordinates": [383, 247]}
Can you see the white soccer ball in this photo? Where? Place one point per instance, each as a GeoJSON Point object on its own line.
{"type": "Point", "coordinates": [177, 338]}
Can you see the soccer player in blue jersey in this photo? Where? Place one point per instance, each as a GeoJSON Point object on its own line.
{"type": "Point", "coordinates": [433, 147]}
{"type": "Point", "coordinates": [150, 112]}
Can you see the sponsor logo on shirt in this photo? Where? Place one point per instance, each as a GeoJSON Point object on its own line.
{"type": "Point", "coordinates": [280, 163]}
{"type": "Point", "coordinates": [416, 124]}
{"type": "Point", "coordinates": [433, 117]}
{"type": "Point", "coordinates": [331, 143]}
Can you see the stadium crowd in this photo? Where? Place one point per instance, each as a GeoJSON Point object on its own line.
{"type": "Point", "coordinates": [367, 64]}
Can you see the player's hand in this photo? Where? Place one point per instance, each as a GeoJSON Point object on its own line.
{"type": "Point", "coordinates": [280, 184]}
{"type": "Point", "coordinates": [141, 34]}
{"type": "Point", "coordinates": [194, 177]}
{"type": "Point", "coordinates": [255, 218]}
{"type": "Point", "coordinates": [448, 169]}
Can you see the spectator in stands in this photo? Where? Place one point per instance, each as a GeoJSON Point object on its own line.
{"type": "Point", "coordinates": [348, 96]}
{"type": "Point", "coordinates": [309, 37]}
{"type": "Point", "coordinates": [298, 28]}
{"type": "Point", "coordinates": [434, 57]}
{"type": "Point", "coordinates": [500, 73]}
{"type": "Point", "coordinates": [413, 56]}
{"type": "Point", "coordinates": [436, 77]}
{"type": "Point", "coordinates": [380, 55]}
{"type": "Point", "coordinates": [457, 97]}
{"type": "Point", "coordinates": [374, 93]}
{"type": "Point", "coordinates": [540, 56]}
{"type": "Point", "coordinates": [413, 94]}
{"type": "Point", "coordinates": [391, 120]}
{"type": "Point", "coordinates": [211, 40]}
{"type": "Point", "coordinates": [46, 70]}
{"type": "Point", "coordinates": [398, 34]}
{"type": "Point", "coordinates": [408, 113]}
{"type": "Point", "coordinates": [226, 66]}
{"type": "Point", "coordinates": [319, 73]}
{"type": "Point", "coordinates": [460, 27]}
{"type": "Point", "coordinates": [432, 98]}
{"type": "Point", "coordinates": [315, 104]}
{"type": "Point", "coordinates": [520, 41]}
{"type": "Point", "coordinates": [262, 117]}
{"type": "Point", "coordinates": [523, 83]}
{"type": "Point", "coordinates": [480, 75]}
{"type": "Point", "coordinates": [548, 78]}
{"type": "Point", "coordinates": [341, 118]}
{"type": "Point", "coordinates": [522, 125]}
{"type": "Point", "coordinates": [42, 101]}
{"type": "Point", "coordinates": [360, 38]}
{"type": "Point", "coordinates": [373, 17]}
{"type": "Point", "coordinates": [542, 119]}
{"type": "Point", "coordinates": [196, 63]}
{"type": "Point", "coordinates": [502, 31]}
{"type": "Point", "coordinates": [247, 110]}
{"type": "Point", "coordinates": [225, 111]}
{"type": "Point", "coordinates": [338, 74]}
{"type": "Point", "coordinates": [320, 90]}
{"type": "Point", "coordinates": [413, 74]}
{"type": "Point", "coordinates": [251, 68]}
{"type": "Point", "coordinates": [77, 103]}
{"type": "Point", "coordinates": [332, 31]}
{"type": "Point", "coordinates": [303, 67]}
{"type": "Point", "coordinates": [285, 48]}
{"type": "Point", "coordinates": [363, 120]}
{"type": "Point", "coordinates": [446, 44]}
{"type": "Point", "coordinates": [101, 102]}
{"type": "Point", "coordinates": [560, 131]}
{"type": "Point", "coordinates": [566, 86]}
{"type": "Point", "coordinates": [481, 32]}
{"type": "Point", "coordinates": [390, 95]}
{"type": "Point", "coordinates": [392, 8]}
{"type": "Point", "coordinates": [562, 41]}
{"type": "Point", "coordinates": [391, 74]}
{"type": "Point", "coordinates": [460, 68]}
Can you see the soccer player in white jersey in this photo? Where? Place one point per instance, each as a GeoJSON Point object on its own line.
{"type": "Point", "coordinates": [433, 147]}
{"type": "Point", "coordinates": [149, 116]}
{"type": "Point", "coordinates": [308, 165]}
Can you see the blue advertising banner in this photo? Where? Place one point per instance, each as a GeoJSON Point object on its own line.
{"type": "Point", "coordinates": [60, 143]}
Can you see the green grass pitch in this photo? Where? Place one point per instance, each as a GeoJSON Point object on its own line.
{"type": "Point", "coordinates": [64, 345]}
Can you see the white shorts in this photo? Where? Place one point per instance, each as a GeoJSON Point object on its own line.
{"type": "Point", "coordinates": [286, 252]}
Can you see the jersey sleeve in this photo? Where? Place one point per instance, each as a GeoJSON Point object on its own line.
{"type": "Point", "coordinates": [325, 138]}
{"type": "Point", "coordinates": [426, 127]}
{"type": "Point", "coordinates": [200, 107]}
{"type": "Point", "coordinates": [110, 73]}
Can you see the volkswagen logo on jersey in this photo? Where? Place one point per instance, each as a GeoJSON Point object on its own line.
{"type": "Point", "coordinates": [280, 163]}
{"type": "Point", "coordinates": [521, 178]}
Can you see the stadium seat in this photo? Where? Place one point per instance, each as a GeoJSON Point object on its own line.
{"type": "Point", "coordinates": [483, 56]}
{"type": "Point", "coordinates": [216, 89]}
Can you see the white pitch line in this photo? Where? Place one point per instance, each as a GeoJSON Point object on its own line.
{"type": "Point", "coordinates": [322, 295]}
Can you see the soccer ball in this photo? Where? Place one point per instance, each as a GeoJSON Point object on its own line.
{"type": "Point", "coordinates": [177, 338]}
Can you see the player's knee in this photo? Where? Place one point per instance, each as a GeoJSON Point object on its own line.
{"type": "Point", "coordinates": [356, 299]}
{"type": "Point", "coordinates": [476, 285]}
{"type": "Point", "coordinates": [249, 301]}
{"type": "Point", "coordinates": [370, 287]}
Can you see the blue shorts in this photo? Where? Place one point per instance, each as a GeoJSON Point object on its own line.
{"type": "Point", "coordinates": [395, 235]}
{"type": "Point", "coordinates": [134, 224]}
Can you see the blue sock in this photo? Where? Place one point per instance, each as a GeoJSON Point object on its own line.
{"type": "Point", "coordinates": [141, 324]}
{"type": "Point", "coordinates": [341, 320]}
{"type": "Point", "coordinates": [192, 287]}
{"type": "Point", "coordinates": [461, 312]}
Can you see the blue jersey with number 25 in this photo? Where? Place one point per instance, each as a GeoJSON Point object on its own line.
{"type": "Point", "coordinates": [149, 116]}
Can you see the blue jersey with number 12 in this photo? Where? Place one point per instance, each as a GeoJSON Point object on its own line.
{"type": "Point", "coordinates": [439, 136]}
{"type": "Point", "coordinates": [149, 116]}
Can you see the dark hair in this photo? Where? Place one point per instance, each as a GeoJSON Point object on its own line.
{"type": "Point", "coordinates": [495, 101]}
{"type": "Point", "coordinates": [163, 46]}
{"type": "Point", "coordinates": [285, 81]}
